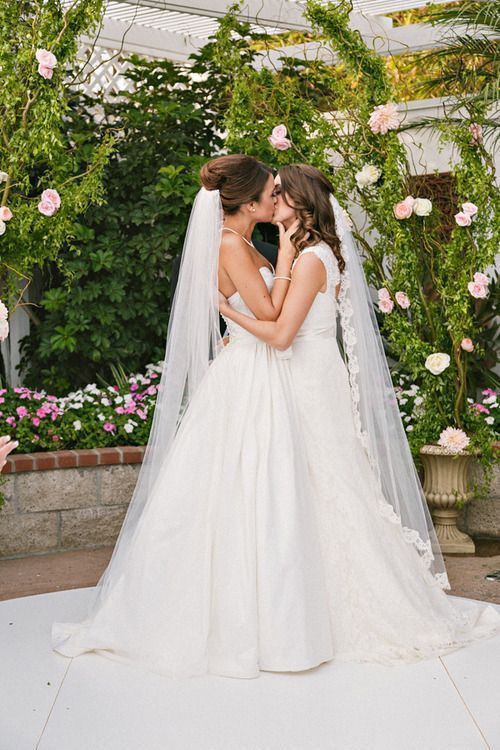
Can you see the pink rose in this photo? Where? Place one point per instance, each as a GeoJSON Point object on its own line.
{"type": "Point", "coordinates": [383, 118]}
{"type": "Point", "coordinates": [46, 58]}
{"type": "Point", "coordinates": [22, 412]}
{"type": "Point", "coordinates": [469, 208]}
{"type": "Point", "coordinates": [11, 421]}
{"type": "Point", "coordinates": [384, 293]}
{"type": "Point", "coordinates": [403, 300]}
{"type": "Point", "coordinates": [45, 72]}
{"type": "Point", "coordinates": [109, 427]}
{"type": "Point", "coordinates": [282, 144]}
{"type": "Point", "coordinates": [404, 209]}
{"type": "Point", "coordinates": [479, 291]}
{"type": "Point", "coordinates": [481, 278]}
{"type": "Point", "coordinates": [47, 208]}
{"type": "Point", "coordinates": [35, 421]}
{"type": "Point", "coordinates": [463, 219]}
{"type": "Point", "coordinates": [53, 196]}
{"type": "Point", "coordinates": [385, 305]}
{"type": "Point", "coordinates": [467, 345]}
{"type": "Point", "coordinates": [5, 213]}
{"type": "Point", "coordinates": [279, 132]}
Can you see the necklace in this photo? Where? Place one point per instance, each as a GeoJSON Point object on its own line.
{"type": "Point", "coordinates": [228, 229]}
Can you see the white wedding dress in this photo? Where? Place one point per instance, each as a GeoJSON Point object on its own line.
{"type": "Point", "coordinates": [264, 545]}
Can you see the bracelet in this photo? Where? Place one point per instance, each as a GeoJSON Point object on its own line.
{"type": "Point", "coordinates": [287, 278]}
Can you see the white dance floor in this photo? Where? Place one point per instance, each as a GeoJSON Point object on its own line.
{"type": "Point", "coordinates": [48, 702]}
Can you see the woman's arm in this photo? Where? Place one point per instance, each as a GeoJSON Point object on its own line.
{"type": "Point", "coordinates": [237, 265]}
{"type": "Point", "coordinates": [309, 276]}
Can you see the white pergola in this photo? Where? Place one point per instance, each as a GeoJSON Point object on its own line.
{"type": "Point", "coordinates": [173, 30]}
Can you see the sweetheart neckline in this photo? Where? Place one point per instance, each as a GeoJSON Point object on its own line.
{"type": "Point", "coordinates": [265, 268]}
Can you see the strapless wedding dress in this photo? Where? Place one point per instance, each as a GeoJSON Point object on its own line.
{"type": "Point", "coordinates": [264, 545]}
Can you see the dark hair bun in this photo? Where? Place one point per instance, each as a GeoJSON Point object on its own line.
{"type": "Point", "coordinates": [211, 176]}
{"type": "Point", "coordinates": [239, 178]}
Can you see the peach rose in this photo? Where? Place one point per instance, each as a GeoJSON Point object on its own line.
{"type": "Point", "coordinates": [5, 213]}
{"type": "Point", "coordinates": [385, 305]}
{"type": "Point", "coordinates": [467, 345]}
{"type": "Point", "coordinates": [481, 278]}
{"type": "Point", "coordinates": [383, 118]}
{"type": "Point", "coordinates": [383, 293]}
{"type": "Point", "coordinates": [403, 300]}
{"type": "Point", "coordinates": [278, 138]}
{"type": "Point", "coordinates": [52, 195]}
{"type": "Point", "coordinates": [479, 291]}
{"type": "Point", "coordinates": [46, 58]}
{"type": "Point", "coordinates": [469, 208]}
{"type": "Point", "coordinates": [463, 219]}
{"type": "Point", "coordinates": [404, 209]}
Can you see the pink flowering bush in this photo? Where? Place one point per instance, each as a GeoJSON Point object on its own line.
{"type": "Point", "coordinates": [93, 417]}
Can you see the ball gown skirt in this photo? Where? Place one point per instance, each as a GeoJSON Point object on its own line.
{"type": "Point", "coordinates": [263, 545]}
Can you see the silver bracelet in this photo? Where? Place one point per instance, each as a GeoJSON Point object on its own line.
{"type": "Point", "coordinates": [288, 278]}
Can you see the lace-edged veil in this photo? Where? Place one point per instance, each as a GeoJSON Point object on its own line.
{"type": "Point", "coordinates": [193, 340]}
{"type": "Point", "coordinates": [399, 494]}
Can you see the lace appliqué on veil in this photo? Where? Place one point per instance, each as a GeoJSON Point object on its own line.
{"type": "Point", "coordinates": [386, 509]}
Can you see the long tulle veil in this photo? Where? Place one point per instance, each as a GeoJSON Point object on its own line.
{"type": "Point", "coordinates": [398, 493]}
{"type": "Point", "coordinates": [193, 340]}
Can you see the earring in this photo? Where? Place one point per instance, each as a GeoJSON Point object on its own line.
{"type": "Point", "coordinates": [253, 209]}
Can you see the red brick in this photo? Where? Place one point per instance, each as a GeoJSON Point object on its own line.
{"type": "Point", "coordinates": [22, 462]}
{"type": "Point", "coordinates": [66, 459]}
{"type": "Point", "coordinates": [87, 457]}
{"type": "Point", "coordinates": [133, 454]}
{"type": "Point", "coordinates": [109, 456]}
{"type": "Point", "coordinates": [44, 461]}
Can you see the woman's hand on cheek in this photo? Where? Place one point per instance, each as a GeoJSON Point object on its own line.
{"type": "Point", "coordinates": [286, 247]}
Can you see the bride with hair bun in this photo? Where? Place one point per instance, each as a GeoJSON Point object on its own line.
{"type": "Point", "coordinates": [277, 522]}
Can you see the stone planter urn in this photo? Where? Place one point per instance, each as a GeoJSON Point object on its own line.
{"type": "Point", "coordinates": [446, 487]}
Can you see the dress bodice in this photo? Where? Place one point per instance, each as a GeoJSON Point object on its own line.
{"type": "Point", "coordinates": [320, 321]}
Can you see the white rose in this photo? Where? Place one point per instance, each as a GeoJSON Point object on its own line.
{"type": "Point", "coordinates": [437, 362]}
{"type": "Point", "coordinates": [422, 207]}
{"type": "Point", "coordinates": [489, 420]}
{"type": "Point", "coordinates": [77, 425]}
{"type": "Point", "coordinates": [368, 175]}
{"type": "Point", "coordinates": [4, 176]}
{"type": "Point", "coordinates": [4, 330]}
{"type": "Point", "coordinates": [3, 227]}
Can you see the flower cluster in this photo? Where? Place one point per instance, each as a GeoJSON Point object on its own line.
{"type": "Point", "coordinates": [487, 406]}
{"type": "Point", "coordinates": [47, 61]}
{"type": "Point", "coordinates": [476, 132]}
{"type": "Point", "coordinates": [4, 323]}
{"type": "Point", "coordinates": [50, 202]}
{"type": "Point", "coordinates": [278, 138]}
{"type": "Point", "coordinates": [410, 205]}
{"type": "Point", "coordinates": [91, 417]}
{"type": "Point", "coordinates": [478, 287]}
{"type": "Point", "coordinates": [465, 217]}
{"type": "Point", "coordinates": [385, 303]}
{"type": "Point", "coordinates": [410, 402]}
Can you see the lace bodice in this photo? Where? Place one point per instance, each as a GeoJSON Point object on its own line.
{"type": "Point", "coordinates": [321, 318]}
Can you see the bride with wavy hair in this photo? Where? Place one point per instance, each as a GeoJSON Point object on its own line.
{"type": "Point", "coordinates": [383, 567]}
{"type": "Point", "coordinates": [277, 522]}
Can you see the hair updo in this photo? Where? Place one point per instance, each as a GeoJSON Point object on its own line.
{"type": "Point", "coordinates": [239, 179]}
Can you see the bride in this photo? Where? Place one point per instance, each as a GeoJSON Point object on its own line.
{"type": "Point", "coordinates": [277, 522]}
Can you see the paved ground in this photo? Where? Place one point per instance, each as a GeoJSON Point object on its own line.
{"type": "Point", "coordinates": [40, 574]}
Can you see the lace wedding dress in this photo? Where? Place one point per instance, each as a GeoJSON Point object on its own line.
{"type": "Point", "coordinates": [263, 545]}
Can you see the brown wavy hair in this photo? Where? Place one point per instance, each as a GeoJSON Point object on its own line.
{"type": "Point", "coordinates": [309, 192]}
{"type": "Point", "coordinates": [240, 179]}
